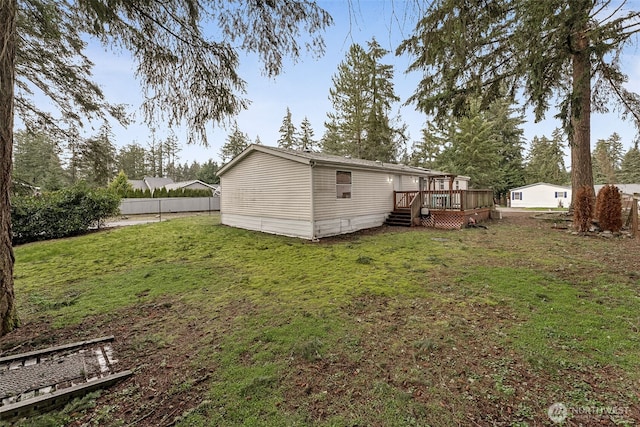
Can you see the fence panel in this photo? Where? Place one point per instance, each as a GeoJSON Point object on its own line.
{"type": "Point", "coordinates": [169, 205]}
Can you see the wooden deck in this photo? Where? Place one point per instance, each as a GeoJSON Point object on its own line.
{"type": "Point", "coordinates": [448, 209]}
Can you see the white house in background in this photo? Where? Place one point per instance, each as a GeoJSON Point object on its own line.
{"type": "Point", "coordinates": [312, 195]}
{"type": "Point", "coordinates": [540, 195]}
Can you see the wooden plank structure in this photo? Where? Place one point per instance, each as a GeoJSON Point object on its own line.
{"type": "Point", "coordinates": [447, 209]}
{"type": "Point", "coordinates": [40, 380]}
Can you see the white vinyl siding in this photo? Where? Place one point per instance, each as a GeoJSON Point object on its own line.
{"type": "Point", "coordinates": [540, 195]}
{"type": "Point", "coordinates": [267, 186]}
{"type": "Point", "coordinates": [371, 193]}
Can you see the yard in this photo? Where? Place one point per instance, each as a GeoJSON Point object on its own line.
{"type": "Point", "coordinates": [387, 327]}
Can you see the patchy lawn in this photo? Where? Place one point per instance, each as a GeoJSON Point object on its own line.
{"type": "Point", "coordinates": [390, 327]}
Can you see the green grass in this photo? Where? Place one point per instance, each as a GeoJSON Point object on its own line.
{"type": "Point", "coordinates": [402, 328]}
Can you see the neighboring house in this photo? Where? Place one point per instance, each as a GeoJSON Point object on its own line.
{"type": "Point", "coordinates": [625, 189]}
{"type": "Point", "coordinates": [313, 195]}
{"type": "Point", "coordinates": [152, 184]}
{"type": "Point", "coordinates": [540, 195]}
{"type": "Point", "coordinates": [193, 185]}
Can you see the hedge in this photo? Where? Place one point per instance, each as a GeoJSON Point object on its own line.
{"type": "Point", "coordinates": [63, 213]}
{"type": "Point", "coordinates": [163, 192]}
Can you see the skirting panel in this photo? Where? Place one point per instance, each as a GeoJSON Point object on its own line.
{"type": "Point", "coordinates": [451, 220]}
{"type": "Point", "coordinates": [283, 227]}
{"type": "Point", "coordinates": [333, 227]}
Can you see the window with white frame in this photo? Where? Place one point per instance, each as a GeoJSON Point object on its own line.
{"type": "Point", "coordinates": [561, 194]}
{"type": "Point", "coordinates": [441, 184]}
{"type": "Point", "coordinates": [516, 195]}
{"type": "Point", "coordinates": [343, 184]}
{"type": "Point", "coordinates": [457, 185]}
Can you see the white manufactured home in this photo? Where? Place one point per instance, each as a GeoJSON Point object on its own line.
{"type": "Point", "coordinates": [540, 195]}
{"type": "Point", "coordinates": [313, 195]}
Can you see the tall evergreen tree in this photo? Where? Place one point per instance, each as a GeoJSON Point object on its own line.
{"type": "Point", "coordinates": [170, 150]}
{"type": "Point", "coordinates": [545, 161]}
{"type": "Point", "coordinates": [305, 139]}
{"type": "Point", "coordinates": [331, 141]}
{"type": "Point", "coordinates": [425, 152]}
{"type": "Point", "coordinates": [607, 157]}
{"type": "Point", "coordinates": [630, 166]}
{"type": "Point", "coordinates": [348, 97]}
{"type": "Point", "coordinates": [362, 96]}
{"type": "Point", "coordinates": [37, 161]}
{"type": "Point", "coordinates": [474, 149]}
{"type": "Point", "coordinates": [209, 172]}
{"type": "Point", "coordinates": [548, 50]}
{"type": "Point", "coordinates": [508, 130]}
{"type": "Point", "coordinates": [382, 140]}
{"type": "Point", "coordinates": [287, 133]}
{"type": "Point", "coordinates": [236, 142]}
{"type": "Point", "coordinates": [131, 160]}
{"type": "Point", "coordinates": [97, 158]}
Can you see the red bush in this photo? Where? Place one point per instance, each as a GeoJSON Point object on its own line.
{"type": "Point", "coordinates": [583, 209]}
{"type": "Point", "coordinates": [609, 208]}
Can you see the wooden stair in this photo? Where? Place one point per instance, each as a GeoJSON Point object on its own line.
{"type": "Point", "coordinates": [399, 217]}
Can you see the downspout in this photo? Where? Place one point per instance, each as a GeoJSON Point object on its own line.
{"type": "Point", "coordinates": [312, 163]}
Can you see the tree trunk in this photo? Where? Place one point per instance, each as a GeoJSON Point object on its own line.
{"type": "Point", "coordinates": [581, 171]}
{"type": "Point", "coordinates": [8, 317]}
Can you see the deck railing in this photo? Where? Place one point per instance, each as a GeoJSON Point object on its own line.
{"type": "Point", "coordinates": [459, 200]}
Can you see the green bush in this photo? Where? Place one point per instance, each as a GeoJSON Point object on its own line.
{"type": "Point", "coordinates": [63, 213]}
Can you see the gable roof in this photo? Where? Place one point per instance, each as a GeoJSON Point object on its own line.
{"type": "Point", "coordinates": [563, 187]}
{"type": "Point", "coordinates": [183, 184]}
{"type": "Point", "coordinates": [315, 158]}
{"type": "Point", "coordinates": [155, 182]}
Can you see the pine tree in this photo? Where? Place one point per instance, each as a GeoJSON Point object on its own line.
{"type": "Point", "coordinates": [474, 149]}
{"type": "Point", "coordinates": [305, 139]}
{"type": "Point", "coordinates": [331, 141]}
{"type": "Point", "coordinates": [98, 158]}
{"type": "Point", "coordinates": [508, 129]}
{"type": "Point", "coordinates": [236, 142]}
{"type": "Point", "coordinates": [362, 95]}
{"type": "Point", "coordinates": [382, 140]}
{"type": "Point", "coordinates": [607, 157]}
{"type": "Point", "coordinates": [131, 160]}
{"type": "Point", "coordinates": [630, 166]}
{"type": "Point", "coordinates": [121, 185]}
{"type": "Point", "coordinates": [545, 161]}
{"type": "Point", "coordinates": [37, 161]}
{"type": "Point", "coordinates": [287, 133]}
{"type": "Point", "coordinates": [426, 152]}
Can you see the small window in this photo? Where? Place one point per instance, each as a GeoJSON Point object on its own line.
{"type": "Point", "coordinates": [561, 194]}
{"type": "Point", "coordinates": [343, 185]}
{"type": "Point", "coordinates": [457, 185]}
{"type": "Point", "coordinates": [516, 195]}
{"type": "Point", "coordinates": [441, 184]}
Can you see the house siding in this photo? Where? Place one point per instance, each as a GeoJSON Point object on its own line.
{"type": "Point", "coordinates": [370, 203]}
{"type": "Point", "coordinates": [540, 196]}
{"type": "Point", "coordinates": [267, 186]}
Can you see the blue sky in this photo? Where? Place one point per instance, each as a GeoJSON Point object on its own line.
{"type": "Point", "coordinates": [304, 86]}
